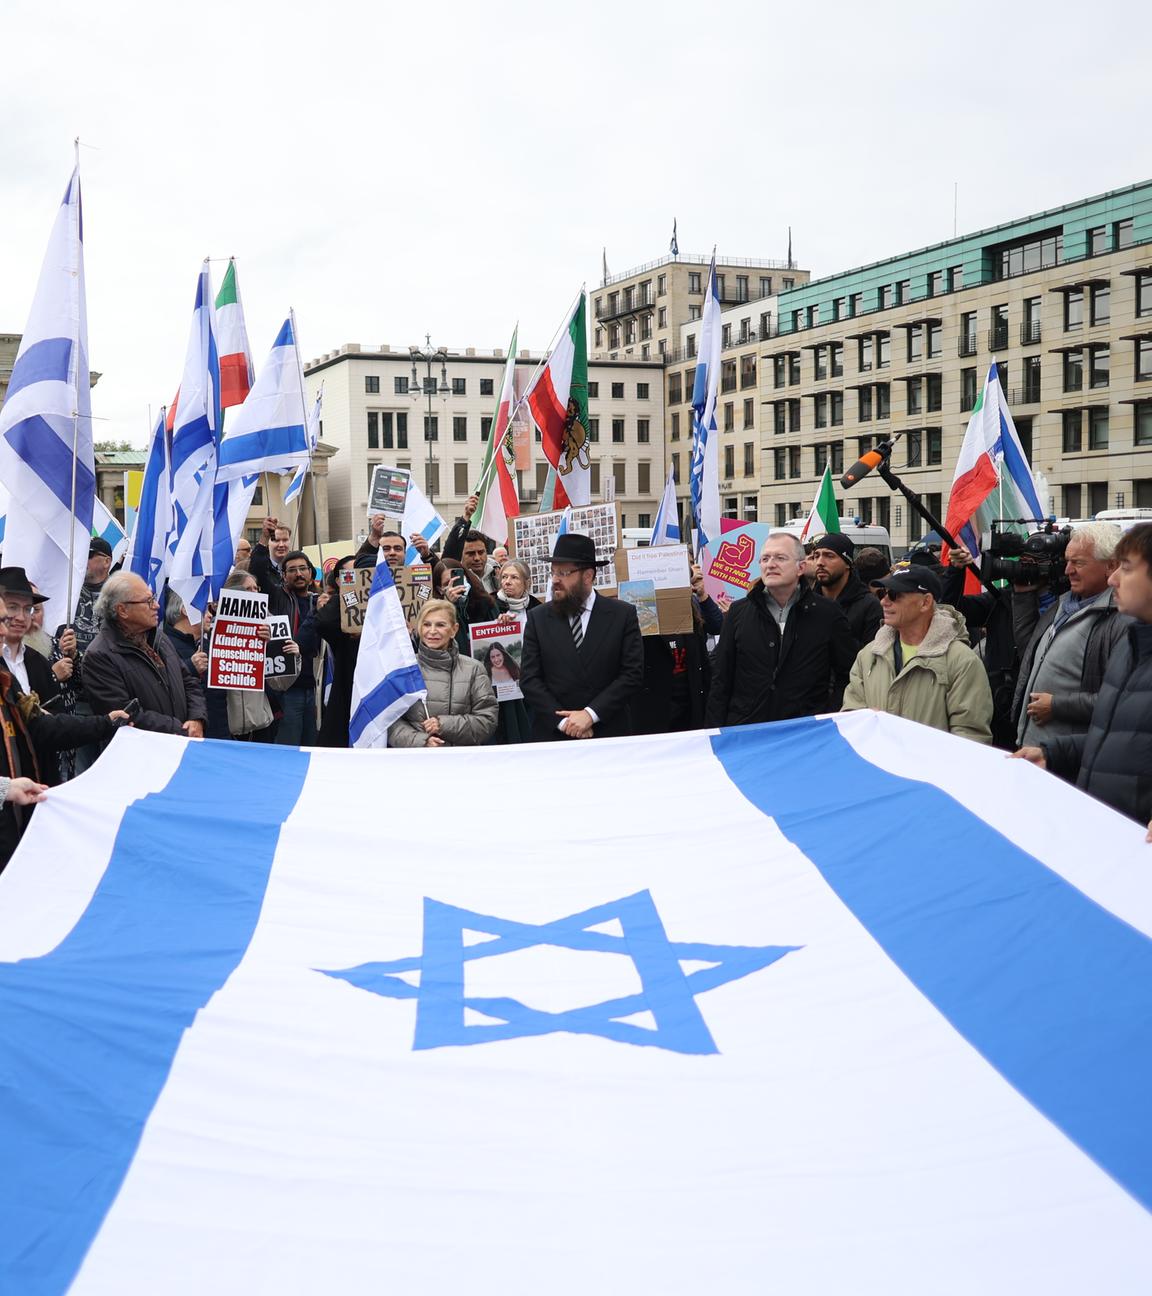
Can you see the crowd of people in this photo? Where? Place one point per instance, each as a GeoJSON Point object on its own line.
{"type": "Point", "coordinates": [1055, 668]}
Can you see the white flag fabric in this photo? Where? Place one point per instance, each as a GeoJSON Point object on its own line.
{"type": "Point", "coordinates": [268, 433]}
{"type": "Point", "coordinates": [47, 462]}
{"type": "Point", "coordinates": [296, 485]}
{"type": "Point", "coordinates": [387, 679]}
{"type": "Point", "coordinates": [875, 1031]}
{"type": "Point", "coordinates": [666, 528]}
{"type": "Point", "coordinates": [704, 474]}
{"type": "Point", "coordinates": [420, 517]}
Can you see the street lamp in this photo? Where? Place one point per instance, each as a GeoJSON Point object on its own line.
{"type": "Point", "coordinates": [428, 356]}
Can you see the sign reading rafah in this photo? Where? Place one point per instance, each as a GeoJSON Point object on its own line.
{"type": "Point", "coordinates": [413, 585]}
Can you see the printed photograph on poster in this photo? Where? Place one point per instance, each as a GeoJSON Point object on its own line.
{"type": "Point", "coordinates": [534, 537]}
{"type": "Point", "coordinates": [236, 656]}
{"type": "Point", "coordinates": [388, 491]}
{"type": "Point", "coordinates": [277, 662]}
{"type": "Point", "coordinates": [642, 595]}
{"type": "Point", "coordinates": [499, 646]}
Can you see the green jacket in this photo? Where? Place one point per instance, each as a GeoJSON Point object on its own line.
{"type": "Point", "coordinates": [944, 685]}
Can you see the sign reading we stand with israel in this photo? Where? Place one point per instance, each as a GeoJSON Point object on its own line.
{"type": "Point", "coordinates": [236, 652]}
{"type": "Point", "coordinates": [884, 1030]}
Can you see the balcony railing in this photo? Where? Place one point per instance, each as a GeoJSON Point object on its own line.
{"type": "Point", "coordinates": [1030, 333]}
{"type": "Point", "coordinates": [1029, 394]}
{"type": "Point", "coordinates": [998, 338]}
{"type": "Point", "coordinates": [966, 345]}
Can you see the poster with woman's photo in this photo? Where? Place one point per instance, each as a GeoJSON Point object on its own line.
{"type": "Point", "coordinates": [499, 646]}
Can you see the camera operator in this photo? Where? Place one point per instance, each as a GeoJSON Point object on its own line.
{"type": "Point", "coordinates": [1065, 649]}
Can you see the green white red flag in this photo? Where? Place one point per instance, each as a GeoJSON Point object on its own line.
{"type": "Point", "coordinates": [236, 375]}
{"type": "Point", "coordinates": [498, 500]}
{"type": "Point", "coordinates": [824, 518]}
{"type": "Point", "coordinates": [558, 400]}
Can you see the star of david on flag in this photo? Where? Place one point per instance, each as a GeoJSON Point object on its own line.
{"type": "Point", "coordinates": [668, 992]}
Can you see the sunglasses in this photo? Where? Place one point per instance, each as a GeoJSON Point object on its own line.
{"type": "Point", "coordinates": [882, 592]}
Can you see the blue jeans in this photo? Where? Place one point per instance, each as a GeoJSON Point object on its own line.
{"type": "Point", "coordinates": [298, 725]}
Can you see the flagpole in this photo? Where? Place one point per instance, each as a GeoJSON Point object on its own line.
{"type": "Point", "coordinates": [73, 363]}
{"type": "Point", "coordinates": [304, 415]}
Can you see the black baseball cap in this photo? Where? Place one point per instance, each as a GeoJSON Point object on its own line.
{"type": "Point", "coordinates": [99, 545]}
{"type": "Point", "coordinates": [912, 580]}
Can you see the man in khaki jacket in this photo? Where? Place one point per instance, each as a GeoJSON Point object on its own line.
{"type": "Point", "coordinates": [918, 666]}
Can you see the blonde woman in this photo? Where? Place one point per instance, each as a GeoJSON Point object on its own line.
{"type": "Point", "coordinates": [461, 710]}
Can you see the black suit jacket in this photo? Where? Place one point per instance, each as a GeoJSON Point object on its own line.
{"type": "Point", "coordinates": [604, 673]}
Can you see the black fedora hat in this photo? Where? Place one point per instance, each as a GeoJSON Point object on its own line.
{"type": "Point", "coordinates": [572, 547]}
{"type": "Point", "coordinates": [14, 580]}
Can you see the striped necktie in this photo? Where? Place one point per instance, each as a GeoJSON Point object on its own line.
{"type": "Point", "coordinates": [577, 631]}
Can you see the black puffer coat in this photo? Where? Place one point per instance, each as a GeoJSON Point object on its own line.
{"type": "Point", "coordinates": [758, 676]}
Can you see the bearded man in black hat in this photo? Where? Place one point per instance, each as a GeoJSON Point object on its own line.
{"type": "Point", "coordinates": [583, 656]}
{"type": "Point", "coordinates": [833, 558]}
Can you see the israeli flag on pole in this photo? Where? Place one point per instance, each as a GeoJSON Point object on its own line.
{"type": "Point", "coordinates": [148, 549]}
{"type": "Point", "coordinates": [47, 463]}
{"type": "Point", "coordinates": [892, 1037]}
{"type": "Point", "coordinates": [704, 479]}
{"type": "Point", "coordinates": [106, 526]}
{"type": "Point", "coordinates": [268, 432]}
{"type": "Point", "coordinates": [387, 679]}
{"type": "Point", "coordinates": [296, 485]}
{"type": "Point", "coordinates": [666, 528]}
{"type": "Point", "coordinates": [419, 517]}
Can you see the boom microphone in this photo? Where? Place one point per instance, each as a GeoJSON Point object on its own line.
{"type": "Point", "coordinates": [862, 467]}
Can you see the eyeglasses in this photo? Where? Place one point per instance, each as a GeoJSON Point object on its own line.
{"type": "Point", "coordinates": [563, 575]}
{"type": "Point", "coordinates": [155, 602]}
{"type": "Point", "coordinates": [297, 571]}
{"type": "Point", "coordinates": [777, 560]}
{"type": "Point", "coordinates": [883, 592]}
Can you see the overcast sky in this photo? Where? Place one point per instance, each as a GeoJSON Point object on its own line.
{"type": "Point", "coordinates": [394, 170]}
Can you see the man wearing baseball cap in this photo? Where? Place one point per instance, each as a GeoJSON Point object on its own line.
{"type": "Point", "coordinates": [833, 559]}
{"type": "Point", "coordinates": [919, 666]}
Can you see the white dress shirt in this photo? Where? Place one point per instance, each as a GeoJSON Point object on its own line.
{"type": "Point", "coordinates": [16, 666]}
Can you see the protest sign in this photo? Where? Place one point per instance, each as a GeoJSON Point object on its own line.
{"type": "Point", "coordinates": [534, 538]}
{"type": "Point", "coordinates": [666, 566]}
{"type": "Point", "coordinates": [277, 662]}
{"type": "Point", "coordinates": [641, 594]}
{"type": "Point", "coordinates": [731, 563]}
{"type": "Point", "coordinates": [413, 587]}
{"type": "Point", "coordinates": [236, 649]}
{"type": "Point", "coordinates": [388, 491]}
{"type": "Point", "coordinates": [498, 646]}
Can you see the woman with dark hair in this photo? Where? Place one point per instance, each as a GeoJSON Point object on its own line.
{"type": "Point", "coordinates": [501, 668]}
{"type": "Point", "coordinates": [339, 659]}
{"type": "Point", "coordinates": [514, 723]}
{"type": "Point", "coordinates": [458, 586]}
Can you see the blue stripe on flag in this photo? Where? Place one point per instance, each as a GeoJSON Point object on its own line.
{"type": "Point", "coordinates": [89, 1031]}
{"type": "Point", "coordinates": [393, 688]}
{"type": "Point", "coordinates": [45, 361]}
{"type": "Point", "coordinates": [284, 337]}
{"type": "Point", "coordinates": [1054, 991]}
{"type": "Point", "coordinates": [268, 443]}
{"type": "Point", "coordinates": [36, 441]}
{"type": "Point", "coordinates": [429, 529]}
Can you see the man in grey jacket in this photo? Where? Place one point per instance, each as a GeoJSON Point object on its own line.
{"type": "Point", "coordinates": [1066, 654]}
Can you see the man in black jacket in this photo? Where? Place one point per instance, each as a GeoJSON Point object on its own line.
{"type": "Point", "coordinates": [784, 651]}
{"type": "Point", "coordinates": [832, 557]}
{"type": "Point", "coordinates": [1113, 760]}
{"type": "Point", "coordinates": [583, 654]}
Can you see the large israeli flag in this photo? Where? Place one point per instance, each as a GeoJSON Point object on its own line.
{"type": "Point", "coordinates": [704, 475]}
{"type": "Point", "coordinates": [387, 679]}
{"type": "Point", "coordinates": [420, 518]}
{"type": "Point", "coordinates": [269, 432]}
{"type": "Point", "coordinates": [272, 1021]}
{"type": "Point", "coordinates": [47, 465]}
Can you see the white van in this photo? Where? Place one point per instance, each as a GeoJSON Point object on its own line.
{"type": "Point", "coordinates": [862, 537]}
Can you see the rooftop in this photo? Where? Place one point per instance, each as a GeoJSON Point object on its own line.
{"type": "Point", "coordinates": [702, 259]}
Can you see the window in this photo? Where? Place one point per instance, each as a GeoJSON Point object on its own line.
{"type": "Point", "coordinates": [864, 404]}
{"type": "Point", "coordinates": [593, 390]}
{"type": "Point", "coordinates": [820, 410]}
{"type": "Point", "coordinates": [903, 291]}
{"type": "Point", "coordinates": [934, 443]}
{"type": "Point", "coordinates": [1031, 376]}
{"type": "Point", "coordinates": [373, 430]}
{"type": "Point", "coordinates": [720, 292]}
{"type": "Point", "coordinates": [779, 370]}
{"type": "Point", "coordinates": [618, 475]}
{"type": "Point", "coordinates": [676, 466]}
{"type": "Point", "coordinates": [793, 416]}
{"type": "Point", "coordinates": [838, 307]}
{"type": "Point", "coordinates": [459, 386]}
{"type": "Point", "coordinates": [747, 371]}
{"type": "Point", "coordinates": [1142, 430]}
{"type": "Point", "coordinates": [794, 462]}
{"type": "Point", "coordinates": [618, 431]}
{"type": "Point", "coordinates": [459, 427]}
{"type": "Point", "coordinates": [617, 391]}
{"type": "Point", "coordinates": [793, 368]}
{"type": "Point", "coordinates": [1097, 497]}
{"type": "Point", "coordinates": [693, 312]}
{"type": "Point", "coordinates": [728, 375]}
{"type": "Point", "coordinates": [1024, 432]}
{"type": "Point", "coordinates": [371, 469]}
{"type": "Point", "coordinates": [401, 433]}
{"type": "Point", "coordinates": [999, 338]}
{"type": "Point", "coordinates": [689, 384]}
{"type": "Point", "coordinates": [813, 316]}
{"type": "Point", "coordinates": [642, 391]}
{"type": "Point", "coordinates": [915, 342]}
{"type": "Point", "coordinates": [1073, 371]}
{"type": "Point", "coordinates": [741, 288]}
{"type": "Point", "coordinates": [934, 387]}
{"type": "Point", "coordinates": [643, 430]}
{"type": "Point", "coordinates": [883, 400]}
{"type": "Point", "coordinates": [968, 333]}
{"type": "Point", "coordinates": [749, 412]}
{"type": "Point", "coordinates": [1144, 293]}
{"type": "Point", "coordinates": [594, 484]}
{"type": "Point", "coordinates": [1100, 304]}
{"type": "Point", "coordinates": [643, 479]}
{"type": "Point", "coordinates": [779, 462]}
{"type": "Point", "coordinates": [780, 417]}
{"type": "Point", "coordinates": [400, 386]}
{"type": "Point", "coordinates": [935, 283]}
{"type": "Point", "coordinates": [542, 476]}
{"type": "Point", "coordinates": [1143, 362]}
{"type": "Point", "coordinates": [1030, 329]}
{"type": "Point", "coordinates": [1073, 309]}
{"type": "Point", "coordinates": [855, 302]}
{"type": "Point", "coordinates": [820, 363]}
{"type": "Point", "coordinates": [661, 285]}
{"type": "Point", "coordinates": [935, 340]}
{"type": "Point", "coordinates": [694, 281]}
{"type": "Point", "coordinates": [662, 317]}
{"type": "Point", "coordinates": [915, 396]}
{"type": "Point", "coordinates": [864, 353]}
{"type": "Point", "coordinates": [749, 460]}
{"type": "Point", "coordinates": [884, 296]}
{"type": "Point", "coordinates": [967, 388]}
{"type": "Point", "coordinates": [691, 345]}
{"type": "Point", "coordinates": [432, 427]}
{"type": "Point", "coordinates": [1071, 496]}
{"type": "Point", "coordinates": [371, 384]}
{"type": "Point", "coordinates": [675, 433]}
{"type": "Point", "coordinates": [1072, 421]}
{"type": "Point", "coordinates": [599, 342]}
{"type": "Point", "coordinates": [1098, 240]}
{"type": "Point", "coordinates": [1098, 428]}
{"type": "Point", "coordinates": [613, 336]}
{"type": "Point", "coordinates": [751, 508]}
{"type": "Point", "coordinates": [781, 515]}
{"type": "Point", "coordinates": [593, 429]}
{"type": "Point", "coordinates": [765, 285]}
{"type": "Point", "coordinates": [837, 448]}
{"type": "Point", "coordinates": [674, 389]}
{"type": "Point", "coordinates": [485, 426]}
{"type": "Point", "coordinates": [1122, 234]}
{"type": "Point", "coordinates": [914, 447]}
{"type": "Point", "coordinates": [643, 519]}
{"type": "Point", "coordinates": [836, 409]}
{"type": "Point", "coordinates": [955, 278]}
{"type": "Point", "coordinates": [729, 462]}
{"type": "Point", "coordinates": [629, 331]}
{"type": "Point", "coordinates": [460, 479]}
{"type": "Point", "coordinates": [1099, 366]}
{"type": "Point", "coordinates": [729, 416]}
{"type": "Point", "coordinates": [1022, 256]}
{"type": "Point", "coordinates": [836, 359]}
{"type": "Point", "coordinates": [820, 458]}
{"type": "Point", "coordinates": [486, 387]}
{"type": "Point", "coordinates": [883, 351]}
